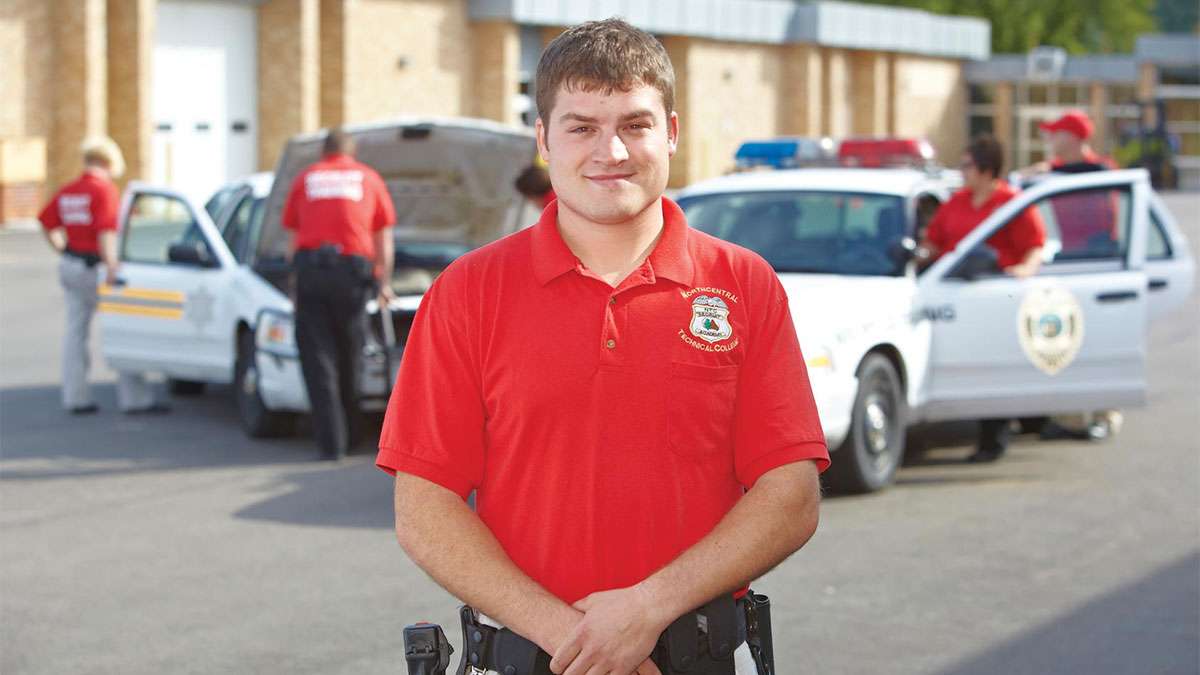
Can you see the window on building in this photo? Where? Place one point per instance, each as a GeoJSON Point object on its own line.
{"type": "Point", "coordinates": [982, 94]}
{"type": "Point", "coordinates": [1122, 94]}
{"type": "Point", "coordinates": [980, 124]}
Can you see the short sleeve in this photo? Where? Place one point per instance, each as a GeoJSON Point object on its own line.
{"type": "Point", "coordinates": [434, 426]}
{"type": "Point", "coordinates": [776, 420]}
{"type": "Point", "coordinates": [49, 216]}
{"type": "Point", "coordinates": [291, 209]}
{"type": "Point", "coordinates": [385, 211]}
{"type": "Point", "coordinates": [104, 210]}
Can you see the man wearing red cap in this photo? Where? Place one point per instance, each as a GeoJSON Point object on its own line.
{"type": "Point", "coordinates": [1070, 151]}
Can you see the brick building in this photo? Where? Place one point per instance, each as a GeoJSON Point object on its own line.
{"type": "Point", "coordinates": [197, 92]}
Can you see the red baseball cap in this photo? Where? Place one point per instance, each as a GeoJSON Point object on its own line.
{"type": "Point", "coordinates": [1075, 122]}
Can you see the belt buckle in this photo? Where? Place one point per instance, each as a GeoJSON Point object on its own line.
{"type": "Point", "coordinates": [472, 670]}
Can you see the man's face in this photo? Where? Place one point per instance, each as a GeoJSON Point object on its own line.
{"type": "Point", "coordinates": [1064, 143]}
{"type": "Point", "coordinates": [608, 154]}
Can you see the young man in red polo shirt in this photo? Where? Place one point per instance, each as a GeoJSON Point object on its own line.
{"type": "Point", "coordinates": [625, 395]}
{"type": "Point", "coordinates": [341, 217]}
{"type": "Point", "coordinates": [1018, 245]}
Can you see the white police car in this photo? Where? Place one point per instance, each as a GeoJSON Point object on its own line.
{"type": "Point", "coordinates": [888, 347]}
{"type": "Point", "coordinates": [204, 293]}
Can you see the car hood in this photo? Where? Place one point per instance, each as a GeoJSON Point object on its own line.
{"type": "Point", "coordinates": [450, 179]}
{"type": "Point", "coordinates": [829, 309]}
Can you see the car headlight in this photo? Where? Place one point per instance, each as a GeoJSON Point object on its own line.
{"type": "Point", "coordinates": [276, 334]}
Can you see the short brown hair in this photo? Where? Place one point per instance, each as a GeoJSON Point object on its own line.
{"type": "Point", "coordinates": [534, 182]}
{"type": "Point", "coordinates": [987, 154]}
{"type": "Point", "coordinates": [338, 141]}
{"type": "Point", "coordinates": [603, 56]}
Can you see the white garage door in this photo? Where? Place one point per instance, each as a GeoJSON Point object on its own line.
{"type": "Point", "coordinates": [205, 94]}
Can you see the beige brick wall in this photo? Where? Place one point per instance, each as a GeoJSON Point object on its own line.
{"type": "Point", "coordinates": [26, 68]}
{"type": "Point", "coordinates": [800, 91]}
{"type": "Point", "coordinates": [836, 94]}
{"type": "Point", "coordinates": [870, 103]}
{"type": "Point", "coordinates": [733, 93]}
{"type": "Point", "coordinates": [496, 56]}
{"type": "Point", "coordinates": [79, 89]}
{"type": "Point", "coordinates": [288, 75]}
{"type": "Point", "coordinates": [333, 62]}
{"type": "Point", "coordinates": [433, 37]}
{"type": "Point", "coordinates": [931, 102]}
{"type": "Point", "coordinates": [130, 63]}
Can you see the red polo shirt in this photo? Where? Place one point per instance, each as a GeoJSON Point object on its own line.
{"type": "Point", "coordinates": [956, 219]}
{"type": "Point", "coordinates": [341, 202]}
{"type": "Point", "coordinates": [605, 429]}
{"type": "Point", "coordinates": [83, 209]}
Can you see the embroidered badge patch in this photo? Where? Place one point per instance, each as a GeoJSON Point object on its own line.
{"type": "Point", "coordinates": [1050, 328]}
{"type": "Point", "coordinates": [710, 319]}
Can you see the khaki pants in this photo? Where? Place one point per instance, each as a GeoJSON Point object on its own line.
{"type": "Point", "coordinates": [743, 661]}
{"type": "Point", "coordinates": [80, 283]}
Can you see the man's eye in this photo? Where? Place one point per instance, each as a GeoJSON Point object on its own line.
{"type": "Point", "coordinates": [577, 130]}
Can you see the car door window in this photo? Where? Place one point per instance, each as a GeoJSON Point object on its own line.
{"type": "Point", "coordinates": [1086, 225]}
{"type": "Point", "coordinates": [1158, 246]}
{"type": "Point", "coordinates": [155, 223]}
{"type": "Point", "coordinates": [241, 224]}
{"type": "Point", "coordinates": [1084, 228]}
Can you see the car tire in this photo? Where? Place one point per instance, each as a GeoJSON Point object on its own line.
{"type": "Point", "coordinates": [184, 387]}
{"type": "Point", "coordinates": [874, 447]}
{"type": "Point", "coordinates": [257, 420]}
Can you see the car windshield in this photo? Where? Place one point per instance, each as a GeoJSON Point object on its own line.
{"type": "Point", "coordinates": [806, 231]}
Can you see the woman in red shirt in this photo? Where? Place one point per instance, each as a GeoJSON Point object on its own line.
{"type": "Point", "coordinates": [1018, 245]}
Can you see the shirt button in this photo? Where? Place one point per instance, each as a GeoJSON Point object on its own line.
{"type": "Point", "coordinates": [612, 300]}
{"type": "Point", "coordinates": [611, 344]}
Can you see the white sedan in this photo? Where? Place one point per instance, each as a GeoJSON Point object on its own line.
{"type": "Point", "coordinates": [888, 347]}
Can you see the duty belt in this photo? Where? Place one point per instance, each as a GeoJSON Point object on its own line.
{"type": "Point", "coordinates": [701, 642]}
{"type": "Point", "coordinates": [89, 259]}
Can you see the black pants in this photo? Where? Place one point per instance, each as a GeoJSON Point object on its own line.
{"type": "Point", "coordinates": [331, 296]}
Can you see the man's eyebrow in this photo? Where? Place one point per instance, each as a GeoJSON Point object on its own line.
{"type": "Point", "coordinates": [636, 114]}
{"type": "Point", "coordinates": [577, 117]}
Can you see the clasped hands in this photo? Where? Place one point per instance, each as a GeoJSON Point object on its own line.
{"type": "Point", "coordinates": [614, 634]}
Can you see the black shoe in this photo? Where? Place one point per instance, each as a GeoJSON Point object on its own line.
{"type": "Point", "coordinates": [155, 409]}
{"type": "Point", "coordinates": [985, 456]}
{"type": "Point", "coordinates": [89, 409]}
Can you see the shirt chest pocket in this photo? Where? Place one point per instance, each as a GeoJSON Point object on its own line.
{"type": "Point", "coordinates": [700, 410]}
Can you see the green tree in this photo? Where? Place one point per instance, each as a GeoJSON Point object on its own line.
{"type": "Point", "coordinates": [1078, 26]}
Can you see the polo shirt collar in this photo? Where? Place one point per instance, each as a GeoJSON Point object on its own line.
{"type": "Point", "coordinates": [669, 259]}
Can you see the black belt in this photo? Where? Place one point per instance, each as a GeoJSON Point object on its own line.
{"type": "Point", "coordinates": [89, 259]}
{"type": "Point", "coordinates": [682, 648]}
{"type": "Point", "coordinates": [328, 256]}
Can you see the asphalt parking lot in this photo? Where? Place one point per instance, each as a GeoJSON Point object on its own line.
{"type": "Point", "coordinates": [175, 544]}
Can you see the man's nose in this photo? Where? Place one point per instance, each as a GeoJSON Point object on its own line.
{"type": "Point", "coordinates": [613, 149]}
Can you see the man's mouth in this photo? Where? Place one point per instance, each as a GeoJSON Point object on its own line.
{"type": "Point", "coordinates": [609, 179]}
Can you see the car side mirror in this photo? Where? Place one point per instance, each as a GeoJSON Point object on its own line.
{"type": "Point", "coordinates": [978, 263]}
{"type": "Point", "coordinates": [190, 253]}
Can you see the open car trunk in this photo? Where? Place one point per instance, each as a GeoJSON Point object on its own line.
{"type": "Point", "coordinates": [451, 180]}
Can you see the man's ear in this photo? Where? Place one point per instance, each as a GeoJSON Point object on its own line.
{"type": "Point", "coordinates": [543, 147]}
{"type": "Point", "coordinates": [672, 133]}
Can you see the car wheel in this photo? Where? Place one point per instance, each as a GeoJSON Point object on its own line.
{"type": "Point", "coordinates": [184, 387]}
{"type": "Point", "coordinates": [874, 447]}
{"type": "Point", "coordinates": [257, 420]}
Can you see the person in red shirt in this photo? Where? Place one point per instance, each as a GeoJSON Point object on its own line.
{"type": "Point", "coordinates": [625, 396]}
{"type": "Point", "coordinates": [80, 223]}
{"type": "Point", "coordinates": [341, 218]}
{"type": "Point", "coordinates": [534, 185]}
{"type": "Point", "coordinates": [1018, 245]}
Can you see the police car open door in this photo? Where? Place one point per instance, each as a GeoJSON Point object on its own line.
{"type": "Point", "coordinates": [1070, 339]}
{"type": "Point", "coordinates": [163, 316]}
